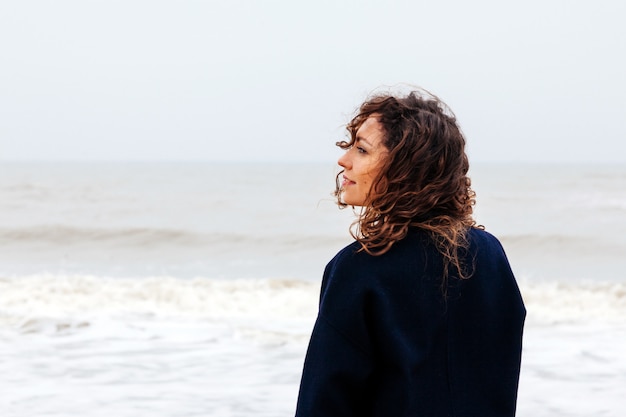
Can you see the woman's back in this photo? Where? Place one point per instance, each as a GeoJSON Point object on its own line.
{"type": "Point", "coordinates": [390, 340]}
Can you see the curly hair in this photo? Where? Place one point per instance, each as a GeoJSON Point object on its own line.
{"type": "Point", "coordinates": [423, 182]}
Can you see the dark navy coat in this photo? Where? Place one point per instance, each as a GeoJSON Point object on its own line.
{"type": "Point", "coordinates": [390, 342]}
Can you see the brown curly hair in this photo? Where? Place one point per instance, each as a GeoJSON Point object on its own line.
{"type": "Point", "coordinates": [423, 182]}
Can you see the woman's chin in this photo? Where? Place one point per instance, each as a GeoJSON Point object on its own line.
{"type": "Point", "coordinates": [354, 203]}
{"type": "Point", "coordinates": [352, 200]}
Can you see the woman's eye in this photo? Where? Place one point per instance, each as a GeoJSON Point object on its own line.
{"type": "Point", "coordinates": [360, 150]}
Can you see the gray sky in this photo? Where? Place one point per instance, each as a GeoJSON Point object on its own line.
{"type": "Point", "coordinates": [276, 80]}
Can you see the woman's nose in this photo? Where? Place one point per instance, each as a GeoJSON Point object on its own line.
{"type": "Point", "coordinates": [344, 160]}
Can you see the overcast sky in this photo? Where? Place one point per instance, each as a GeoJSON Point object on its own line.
{"type": "Point", "coordinates": [276, 80]}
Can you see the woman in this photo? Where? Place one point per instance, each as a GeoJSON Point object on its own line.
{"type": "Point", "coordinates": [421, 315]}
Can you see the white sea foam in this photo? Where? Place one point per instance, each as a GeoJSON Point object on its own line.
{"type": "Point", "coordinates": [561, 302]}
{"type": "Point", "coordinates": [74, 300]}
{"type": "Point", "coordinates": [67, 303]}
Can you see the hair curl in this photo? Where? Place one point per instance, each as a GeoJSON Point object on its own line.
{"type": "Point", "coordinates": [423, 181]}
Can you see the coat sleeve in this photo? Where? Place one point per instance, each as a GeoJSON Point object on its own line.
{"type": "Point", "coordinates": [338, 366]}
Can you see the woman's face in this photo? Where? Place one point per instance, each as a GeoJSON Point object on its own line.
{"type": "Point", "coordinates": [362, 162]}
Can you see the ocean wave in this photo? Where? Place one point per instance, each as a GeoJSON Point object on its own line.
{"type": "Point", "coordinates": [554, 302]}
{"type": "Point", "coordinates": [59, 234]}
{"type": "Point", "coordinates": [535, 239]}
{"type": "Point", "coordinates": [71, 302]}
{"type": "Point", "coordinates": [575, 244]}
{"type": "Point", "coordinates": [55, 235]}
{"type": "Point", "coordinates": [63, 234]}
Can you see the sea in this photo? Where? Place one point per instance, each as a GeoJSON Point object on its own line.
{"type": "Point", "coordinates": [191, 288]}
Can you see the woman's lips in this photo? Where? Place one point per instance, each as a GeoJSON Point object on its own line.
{"type": "Point", "coordinates": [347, 181]}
